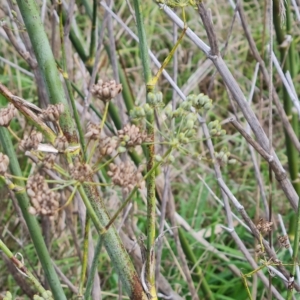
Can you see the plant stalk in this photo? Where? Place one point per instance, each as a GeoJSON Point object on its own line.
{"type": "Point", "coordinates": [151, 198]}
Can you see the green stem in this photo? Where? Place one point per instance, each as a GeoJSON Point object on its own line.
{"type": "Point", "coordinates": [151, 198]}
{"type": "Point", "coordinates": [47, 65]}
{"type": "Point", "coordinates": [85, 254]}
{"type": "Point", "coordinates": [111, 240]}
{"type": "Point", "coordinates": [93, 270]}
{"type": "Point", "coordinates": [289, 65]}
{"type": "Point", "coordinates": [31, 222]}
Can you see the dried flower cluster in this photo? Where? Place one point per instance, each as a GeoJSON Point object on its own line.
{"type": "Point", "coordinates": [93, 131]}
{"type": "Point", "coordinates": [80, 171]}
{"type": "Point", "coordinates": [131, 135]}
{"type": "Point", "coordinates": [108, 145]}
{"type": "Point", "coordinates": [49, 160]}
{"type": "Point", "coordinates": [275, 261]}
{"type": "Point", "coordinates": [105, 91]}
{"type": "Point", "coordinates": [52, 112]}
{"type": "Point", "coordinates": [44, 201]}
{"type": "Point", "coordinates": [264, 226]}
{"type": "Point", "coordinates": [61, 143]}
{"type": "Point", "coordinates": [284, 241]}
{"type": "Point", "coordinates": [4, 162]}
{"type": "Point", "coordinates": [126, 175]}
{"type": "Point", "coordinates": [6, 114]}
{"type": "Point", "coordinates": [31, 142]}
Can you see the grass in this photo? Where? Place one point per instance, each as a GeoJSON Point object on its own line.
{"type": "Point", "coordinates": [194, 203]}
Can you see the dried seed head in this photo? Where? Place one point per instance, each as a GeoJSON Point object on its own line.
{"type": "Point", "coordinates": [52, 112]}
{"type": "Point", "coordinates": [4, 162]}
{"type": "Point", "coordinates": [105, 91]}
{"type": "Point", "coordinates": [132, 136]}
{"type": "Point", "coordinates": [80, 171]}
{"type": "Point", "coordinates": [264, 226]}
{"type": "Point", "coordinates": [259, 250]}
{"type": "Point", "coordinates": [61, 143]}
{"type": "Point", "coordinates": [93, 131]}
{"type": "Point", "coordinates": [6, 114]}
{"type": "Point", "coordinates": [126, 175]}
{"type": "Point", "coordinates": [31, 142]}
{"type": "Point", "coordinates": [276, 261]}
{"type": "Point", "coordinates": [49, 160]}
{"type": "Point", "coordinates": [108, 145]}
{"type": "Point", "coordinates": [284, 241]}
{"type": "Point", "coordinates": [43, 200]}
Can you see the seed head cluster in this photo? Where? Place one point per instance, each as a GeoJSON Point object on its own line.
{"type": "Point", "coordinates": [131, 136]}
{"type": "Point", "coordinates": [106, 90]}
{"type": "Point", "coordinates": [6, 114]}
{"type": "Point", "coordinates": [52, 112]}
{"type": "Point", "coordinates": [284, 241]}
{"type": "Point", "coordinates": [108, 145]}
{"type": "Point", "coordinates": [126, 175]}
{"type": "Point", "coordinates": [4, 162]}
{"type": "Point", "coordinates": [31, 142]}
{"type": "Point", "coordinates": [264, 226]}
{"type": "Point", "coordinates": [61, 143]}
{"type": "Point", "coordinates": [49, 160]}
{"type": "Point", "coordinates": [80, 171]}
{"type": "Point", "coordinates": [44, 201]}
{"type": "Point", "coordinates": [93, 131]}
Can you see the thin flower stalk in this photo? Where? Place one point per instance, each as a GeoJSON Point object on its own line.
{"type": "Point", "coordinates": [85, 255]}
{"type": "Point", "coordinates": [93, 269]}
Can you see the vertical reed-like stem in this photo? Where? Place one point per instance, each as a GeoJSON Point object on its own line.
{"type": "Point", "coordinates": [292, 153]}
{"type": "Point", "coordinates": [151, 199]}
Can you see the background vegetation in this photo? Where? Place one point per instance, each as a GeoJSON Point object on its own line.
{"type": "Point", "coordinates": [206, 252]}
